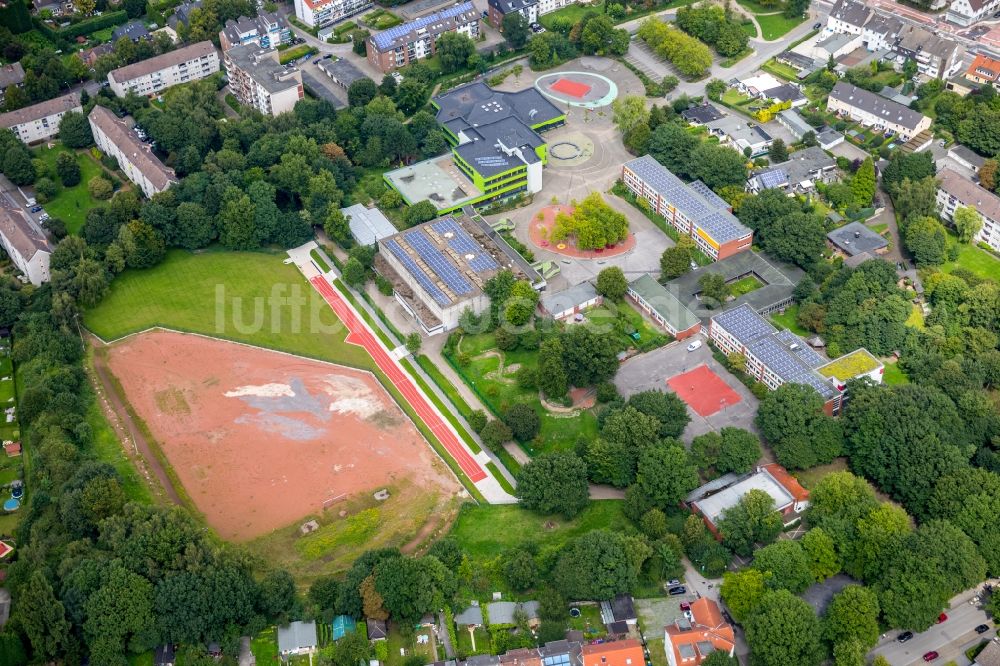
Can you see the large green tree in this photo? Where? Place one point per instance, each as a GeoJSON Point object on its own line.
{"type": "Point", "coordinates": [43, 617]}
{"type": "Point", "coordinates": [554, 483]}
{"type": "Point", "coordinates": [669, 410]}
{"type": "Point", "coordinates": [787, 564]}
{"type": "Point", "coordinates": [801, 435]}
{"type": "Point", "coordinates": [752, 520]}
{"type": "Point", "coordinates": [783, 630]}
{"type": "Point", "coordinates": [742, 591]}
{"type": "Point", "coordinates": [852, 615]}
{"type": "Point", "coordinates": [599, 565]}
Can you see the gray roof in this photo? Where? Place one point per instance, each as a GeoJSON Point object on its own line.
{"type": "Point", "coordinates": [967, 155]}
{"type": "Point", "coordinates": [920, 40]}
{"type": "Point", "coordinates": [795, 122]}
{"type": "Point", "coordinates": [714, 506]}
{"type": "Point", "coordinates": [502, 612]}
{"type": "Point", "coordinates": [183, 13]}
{"type": "Point", "coordinates": [368, 225]}
{"type": "Point", "coordinates": [784, 353]}
{"type": "Point", "coordinates": [341, 70]}
{"type": "Point", "coordinates": [483, 151]}
{"type": "Point", "coordinates": [567, 299]}
{"type": "Point", "coordinates": [297, 635]}
{"type": "Point", "coordinates": [434, 24]}
{"type": "Point", "coordinates": [49, 107]}
{"type": "Point", "coordinates": [835, 42]}
{"type": "Point", "coordinates": [139, 153]}
{"type": "Point", "coordinates": [969, 194]}
{"type": "Point", "coordinates": [884, 25]}
{"type": "Point", "coordinates": [802, 165]}
{"type": "Point", "coordinates": [779, 282]}
{"type": "Point", "coordinates": [855, 238]}
{"type": "Point", "coordinates": [990, 656]}
{"type": "Point", "coordinates": [134, 30]}
{"type": "Point", "coordinates": [702, 113]}
{"type": "Point", "coordinates": [876, 104]}
{"type": "Point", "coordinates": [852, 12]}
{"type": "Point", "coordinates": [19, 232]}
{"type": "Point", "coordinates": [711, 215]}
{"type": "Point", "coordinates": [797, 59]}
{"type": "Point", "coordinates": [664, 302]}
{"type": "Point", "coordinates": [470, 616]}
{"type": "Point", "coordinates": [623, 608]}
{"type": "Point", "coordinates": [11, 75]}
{"type": "Point", "coordinates": [476, 104]}
{"type": "Point", "coordinates": [786, 92]}
{"type": "Point", "coordinates": [738, 129]}
{"type": "Point", "coordinates": [508, 6]}
{"type": "Point", "coordinates": [828, 135]}
{"type": "Point", "coordinates": [156, 63]}
{"type": "Point", "coordinates": [263, 67]}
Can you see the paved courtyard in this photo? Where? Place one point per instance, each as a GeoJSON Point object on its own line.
{"type": "Point", "coordinates": [652, 370]}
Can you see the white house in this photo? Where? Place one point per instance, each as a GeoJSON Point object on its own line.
{"type": "Point", "coordinates": [136, 159]}
{"type": "Point", "coordinates": [39, 122]}
{"type": "Point", "coordinates": [27, 247]}
{"type": "Point", "coordinates": [321, 13]}
{"type": "Point", "coordinates": [848, 16]}
{"type": "Point", "coordinates": [967, 12]}
{"type": "Point", "coordinates": [154, 75]}
{"type": "Point", "coordinates": [954, 190]}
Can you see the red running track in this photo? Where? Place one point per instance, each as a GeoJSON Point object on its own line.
{"type": "Point", "coordinates": [361, 336]}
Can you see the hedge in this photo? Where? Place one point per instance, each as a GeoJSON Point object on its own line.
{"type": "Point", "coordinates": [85, 26]}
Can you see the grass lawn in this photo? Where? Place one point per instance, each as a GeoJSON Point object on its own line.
{"type": "Point", "coordinates": [774, 26]}
{"type": "Point", "coordinates": [604, 318]}
{"type": "Point", "coordinates": [787, 320]}
{"type": "Point", "coordinates": [396, 641]}
{"type": "Point", "coordinates": [71, 203]}
{"type": "Point", "coordinates": [916, 318]}
{"type": "Point", "coordinates": [589, 622]}
{"type": "Point", "coordinates": [295, 53]}
{"type": "Point", "coordinates": [485, 531]}
{"type": "Point", "coordinates": [977, 260]}
{"type": "Point", "coordinates": [745, 286]}
{"type": "Point", "coordinates": [734, 97]}
{"type": "Point", "coordinates": [572, 12]}
{"type": "Point", "coordinates": [221, 294]}
{"type": "Point", "coordinates": [107, 448]}
{"type": "Point", "coordinates": [657, 654]}
{"type": "Point", "coordinates": [465, 641]}
{"type": "Point", "coordinates": [810, 477]}
{"type": "Point", "coordinates": [103, 35]}
{"type": "Point", "coordinates": [10, 521]}
{"type": "Point", "coordinates": [780, 69]}
{"type": "Point", "coordinates": [264, 646]}
{"type": "Point", "coordinates": [894, 375]}
{"type": "Point", "coordinates": [380, 19]}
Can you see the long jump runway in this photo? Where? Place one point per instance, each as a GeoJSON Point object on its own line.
{"type": "Point", "coordinates": [361, 336]}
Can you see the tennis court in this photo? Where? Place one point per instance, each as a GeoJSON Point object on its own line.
{"type": "Point", "coordinates": [703, 390]}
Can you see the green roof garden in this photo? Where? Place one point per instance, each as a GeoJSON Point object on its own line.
{"type": "Point", "coordinates": [851, 365]}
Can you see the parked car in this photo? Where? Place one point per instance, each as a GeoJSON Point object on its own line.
{"type": "Point", "coordinates": [982, 629]}
{"type": "Point", "coordinates": [685, 606]}
{"type": "Point", "coordinates": [817, 25]}
{"type": "Point", "coordinates": [43, 217]}
{"type": "Point", "coordinates": [673, 583]}
{"type": "Point", "coordinates": [676, 591]}
{"type": "Point", "coordinates": [942, 617]}
{"type": "Point", "coordinates": [35, 209]}
{"type": "Point", "coordinates": [694, 346]}
{"type": "Point", "coordinates": [905, 636]}
{"type": "Point", "coordinates": [930, 656]}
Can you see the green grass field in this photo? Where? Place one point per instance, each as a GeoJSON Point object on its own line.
{"type": "Point", "coordinates": [894, 375]}
{"type": "Point", "coordinates": [745, 285]}
{"type": "Point", "coordinates": [264, 646]}
{"type": "Point", "coordinates": [788, 320]}
{"type": "Point", "coordinates": [780, 69]}
{"type": "Point", "coordinates": [231, 295]}
{"type": "Point", "coordinates": [774, 26]}
{"type": "Point", "coordinates": [975, 259]}
{"type": "Point", "coordinates": [486, 531]}
{"type": "Point", "coordinates": [381, 19]}
{"type": "Point", "coordinates": [604, 319]}
{"type": "Point", "coordinates": [71, 203]}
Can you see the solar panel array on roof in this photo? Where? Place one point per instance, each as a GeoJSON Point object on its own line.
{"type": "Point", "coordinates": [708, 211]}
{"type": "Point", "coordinates": [773, 178]}
{"type": "Point", "coordinates": [439, 296]}
{"type": "Point", "coordinates": [462, 243]}
{"type": "Point", "coordinates": [809, 356]}
{"type": "Point", "coordinates": [556, 660]}
{"type": "Point", "coordinates": [384, 39]}
{"type": "Point", "coordinates": [744, 324]}
{"type": "Point", "coordinates": [437, 262]}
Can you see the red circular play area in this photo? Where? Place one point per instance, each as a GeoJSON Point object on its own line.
{"type": "Point", "coordinates": [539, 231]}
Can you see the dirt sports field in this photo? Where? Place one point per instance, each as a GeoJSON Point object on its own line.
{"type": "Point", "coordinates": [261, 439]}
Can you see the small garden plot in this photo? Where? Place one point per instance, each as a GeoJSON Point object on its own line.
{"type": "Point", "coordinates": [734, 97]}
{"type": "Point", "coordinates": [295, 53]}
{"type": "Point", "coordinates": [9, 429]}
{"type": "Point", "coordinates": [476, 641]}
{"type": "Point", "coordinates": [400, 648]}
{"type": "Point", "coordinates": [380, 19]}
{"type": "Point", "coordinates": [264, 646]}
{"type": "Point", "coordinates": [588, 620]}
{"type": "Point", "coordinates": [744, 285]}
{"type": "Point", "coordinates": [70, 204]}
{"type": "Point", "coordinates": [634, 329]}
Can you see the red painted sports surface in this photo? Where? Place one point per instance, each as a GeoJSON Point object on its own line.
{"type": "Point", "coordinates": [703, 390]}
{"type": "Point", "coordinates": [361, 336]}
{"type": "Point", "coordinates": [571, 88]}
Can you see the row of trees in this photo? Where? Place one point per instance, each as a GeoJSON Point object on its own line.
{"type": "Point", "coordinates": [691, 58]}
{"type": "Point", "coordinates": [715, 26]}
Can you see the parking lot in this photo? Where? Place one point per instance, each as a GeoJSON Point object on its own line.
{"type": "Point", "coordinates": [653, 369]}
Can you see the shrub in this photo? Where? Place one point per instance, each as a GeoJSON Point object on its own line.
{"type": "Point", "coordinates": [477, 421]}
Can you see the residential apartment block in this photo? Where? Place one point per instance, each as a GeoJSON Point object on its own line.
{"type": "Point", "coordinates": [399, 46]}
{"type": "Point", "coordinates": [10, 75]}
{"type": "Point", "coordinates": [267, 30]}
{"type": "Point", "coordinates": [39, 122]}
{"type": "Point", "coordinates": [115, 137]}
{"type": "Point", "coordinates": [321, 13]}
{"type": "Point", "coordinates": [257, 80]}
{"type": "Point", "coordinates": [955, 190]}
{"type": "Point", "coordinates": [154, 75]}
{"type": "Point", "coordinates": [848, 16]}
{"type": "Point", "coordinates": [873, 110]}
{"type": "Point", "coordinates": [689, 640]}
{"type": "Point", "coordinates": [967, 12]}
{"type": "Point", "coordinates": [692, 209]}
{"type": "Point", "coordinates": [25, 244]}
{"type": "Point", "coordinates": [529, 9]}
{"type": "Point", "coordinates": [880, 32]}
{"type": "Point", "coordinates": [776, 357]}
{"type": "Point", "coordinates": [936, 57]}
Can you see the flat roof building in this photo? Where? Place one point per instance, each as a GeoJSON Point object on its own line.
{"type": "Point", "coordinates": [954, 190]}
{"type": "Point", "coordinates": [115, 137]}
{"type": "Point", "coordinates": [776, 357]}
{"type": "Point", "coordinates": [267, 30]}
{"type": "Point", "coordinates": [26, 245]}
{"type": "Point", "coordinates": [341, 71]}
{"type": "Point", "coordinates": [712, 500]}
{"type": "Point", "coordinates": [259, 81]}
{"type": "Point", "coordinates": [437, 269]}
{"type": "Point", "coordinates": [368, 225]}
{"type": "Point", "coordinates": [663, 307]}
{"type": "Point", "coordinates": [692, 209]}
{"type": "Point", "coordinates": [154, 75]}
{"type": "Point", "coordinates": [39, 122]}
{"type": "Point", "coordinates": [873, 110]}
{"type": "Point", "coordinates": [397, 47]}
{"type": "Point", "coordinates": [855, 238]}
{"type": "Point", "coordinates": [570, 302]}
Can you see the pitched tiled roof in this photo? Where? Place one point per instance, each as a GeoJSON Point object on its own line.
{"type": "Point", "coordinates": [41, 110]}
{"type": "Point", "coordinates": [876, 104]}
{"type": "Point", "coordinates": [984, 67]}
{"type": "Point", "coordinates": [618, 653]}
{"type": "Point", "coordinates": [138, 153]}
{"type": "Point", "coordinates": [156, 63]}
{"type": "Point", "coordinates": [19, 233]}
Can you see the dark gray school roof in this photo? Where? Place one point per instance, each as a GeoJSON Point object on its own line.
{"type": "Point", "coordinates": [134, 30]}
{"type": "Point", "coordinates": [692, 200]}
{"type": "Point", "coordinates": [341, 70]}
{"type": "Point", "coordinates": [567, 299]}
{"type": "Point", "coordinates": [702, 113]}
{"type": "Point", "coordinates": [664, 302]}
{"type": "Point", "coordinates": [876, 104]}
{"type": "Point", "coordinates": [483, 153]}
{"type": "Point", "coordinates": [434, 24]}
{"type": "Point", "coordinates": [296, 636]}
{"type": "Point", "coordinates": [784, 353]}
{"type": "Point", "coordinates": [855, 238]}
{"type": "Point", "coordinates": [849, 11]}
{"type": "Point", "coordinates": [476, 104]}
{"type": "Point", "coordinates": [779, 283]}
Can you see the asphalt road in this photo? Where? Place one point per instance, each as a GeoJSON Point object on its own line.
{"type": "Point", "coordinates": [949, 639]}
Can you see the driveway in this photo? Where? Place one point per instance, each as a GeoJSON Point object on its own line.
{"type": "Point", "coordinates": [651, 371]}
{"type": "Point", "coordinates": [950, 638]}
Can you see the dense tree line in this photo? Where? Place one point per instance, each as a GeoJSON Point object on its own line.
{"type": "Point", "coordinates": [715, 26]}
{"type": "Point", "coordinates": [785, 227]}
{"type": "Point", "coordinates": [691, 57]}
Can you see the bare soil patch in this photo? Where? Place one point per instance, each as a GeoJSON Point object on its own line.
{"type": "Point", "coordinates": [260, 439]}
